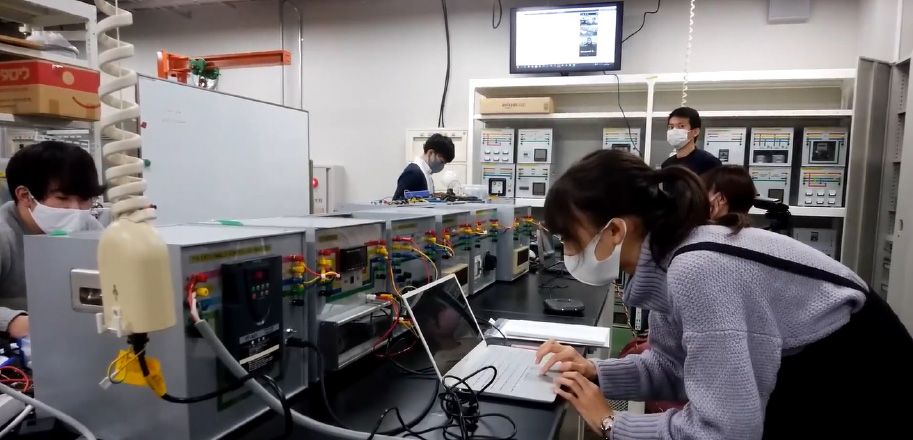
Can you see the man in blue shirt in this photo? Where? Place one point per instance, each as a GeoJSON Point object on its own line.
{"type": "Point", "coordinates": [439, 151]}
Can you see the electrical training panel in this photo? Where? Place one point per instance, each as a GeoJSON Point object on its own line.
{"type": "Point", "coordinates": [822, 176]}
{"type": "Point", "coordinates": [516, 227]}
{"type": "Point", "coordinates": [449, 239]}
{"type": "Point", "coordinates": [482, 231]}
{"type": "Point", "coordinates": [534, 145]}
{"type": "Point", "coordinates": [622, 139]}
{"type": "Point", "coordinates": [410, 237]}
{"type": "Point", "coordinates": [824, 240]}
{"type": "Point", "coordinates": [244, 281]}
{"type": "Point", "coordinates": [822, 187]}
{"type": "Point", "coordinates": [345, 261]}
{"type": "Point", "coordinates": [726, 144]}
{"type": "Point", "coordinates": [770, 159]}
{"type": "Point", "coordinates": [533, 180]}
{"type": "Point", "coordinates": [824, 147]}
{"type": "Point", "coordinates": [497, 145]}
{"type": "Point", "coordinates": [771, 146]}
{"type": "Point", "coordinates": [771, 182]}
{"type": "Point", "coordinates": [499, 179]}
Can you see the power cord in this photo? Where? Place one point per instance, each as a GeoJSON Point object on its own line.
{"type": "Point", "coordinates": [404, 427]}
{"type": "Point", "coordinates": [634, 144]}
{"type": "Point", "coordinates": [644, 21]}
{"type": "Point", "coordinates": [460, 403]}
{"type": "Point", "coordinates": [440, 117]}
{"type": "Point", "coordinates": [503, 336]}
{"type": "Point", "coordinates": [47, 409]}
{"type": "Point", "coordinates": [138, 343]}
{"type": "Point", "coordinates": [496, 5]}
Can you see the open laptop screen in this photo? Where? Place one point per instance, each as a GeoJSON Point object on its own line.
{"type": "Point", "coordinates": [443, 317]}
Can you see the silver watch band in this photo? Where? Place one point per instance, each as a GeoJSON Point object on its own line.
{"type": "Point", "coordinates": [608, 422]}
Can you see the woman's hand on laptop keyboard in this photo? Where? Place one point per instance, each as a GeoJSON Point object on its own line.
{"type": "Point", "coordinates": [564, 358]}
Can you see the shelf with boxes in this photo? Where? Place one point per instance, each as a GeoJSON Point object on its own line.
{"type": "Point", "coordinates": [78, 18]}
{"type": "Point", "coordinates": [41, 82]}
{"type": "Point", "coordinates": [800, 121]}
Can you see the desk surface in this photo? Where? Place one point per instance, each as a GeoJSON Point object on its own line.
{"type": "Point", "coordinates": [523, 299]}
{"type": "Point", "coordinates": [361, 392]}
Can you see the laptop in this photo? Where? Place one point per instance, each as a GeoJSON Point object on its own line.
{"type": "Point", "coordinates": [451, 335]}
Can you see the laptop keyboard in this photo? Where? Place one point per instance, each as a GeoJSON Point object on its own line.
{"type": "Point", "coordinates": [512, 365]}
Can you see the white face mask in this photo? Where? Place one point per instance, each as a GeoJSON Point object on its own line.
{"type": "Point", "coordinates": [588, 269]}
{"type": "Point", "coordinates": [677, 137]}
{"type": "Point", "coordinates": [63, 220]}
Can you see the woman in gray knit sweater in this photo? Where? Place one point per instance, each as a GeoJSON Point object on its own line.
{"type": "Point", "coordinates": [754, 329]}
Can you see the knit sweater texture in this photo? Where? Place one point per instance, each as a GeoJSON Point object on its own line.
{"type": "Point", "coordinates": [719, 327]}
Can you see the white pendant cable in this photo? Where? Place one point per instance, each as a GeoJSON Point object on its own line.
{"type": "Point", "coordinates": [124, 175]}
{"type": "Point", "coordinates": [688, 55]}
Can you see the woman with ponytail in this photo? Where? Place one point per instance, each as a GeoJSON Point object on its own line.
{"type": "Point", "coordinates": [754, 329]}
{"type": "Point", "coordinates": [732, 193]}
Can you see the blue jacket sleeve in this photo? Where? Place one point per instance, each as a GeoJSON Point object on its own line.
{"type": "Point", "coordinates": [411, 179]}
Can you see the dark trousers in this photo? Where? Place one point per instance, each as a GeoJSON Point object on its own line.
{"type": "Point", "coordinates": [855, 383]}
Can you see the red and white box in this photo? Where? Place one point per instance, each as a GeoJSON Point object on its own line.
{"type": "Point", "coordinates": [43, 88]}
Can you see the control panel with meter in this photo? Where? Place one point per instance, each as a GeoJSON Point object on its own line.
{"type": "Point", "coordinates": [498, 179]}
{"type": "Point", "coordinates": [533, 180]}
{"type": "Point", "coordinates": [534, 145]}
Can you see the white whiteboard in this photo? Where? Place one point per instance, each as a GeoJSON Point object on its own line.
{"type": "Point", "coordinates": [218, 156]}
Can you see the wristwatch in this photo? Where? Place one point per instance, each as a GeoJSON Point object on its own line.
{"type": "Point", "coordinates": [607, 423]}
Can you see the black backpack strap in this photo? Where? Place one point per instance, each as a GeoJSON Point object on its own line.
{"type": "Point", "coordinates": [772, 261]}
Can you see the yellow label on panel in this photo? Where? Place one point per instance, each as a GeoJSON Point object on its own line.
{"type": "Point", "coordinates": [230, 253]}
{"type": "Point", "coordinates": [400, 227]}
{"type": "Point", "coordinates": [327, 237]}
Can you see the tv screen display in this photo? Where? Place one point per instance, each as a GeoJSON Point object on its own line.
{"type": "Point", "coordinates": [559, 39]}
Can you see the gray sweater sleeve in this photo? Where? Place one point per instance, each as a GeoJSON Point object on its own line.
{"type": "Point", "coordinates": [728, 370]}
{"type": "Point", "coordinates": [6, 256]}
{"type": "Point", "coordinates": [7, 315]}
{"type": "Point", "coordinates": [645, 376]}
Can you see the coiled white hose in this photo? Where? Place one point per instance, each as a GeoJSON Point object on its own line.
{"type": "Point", "coordinates": [124, 174]}
{"type": "Point", "coordinates": [688, 55]}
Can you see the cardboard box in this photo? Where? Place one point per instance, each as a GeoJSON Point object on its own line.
{"type": "Point", "coordinates": [516, 105]}
{"type": "Point", "coordinates": [43, 88]}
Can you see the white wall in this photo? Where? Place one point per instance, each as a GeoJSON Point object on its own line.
{"type": "Point", "coordinates": [878, 29]}
{"type": "Point", "coordinates": [373, 68]}
{"type": "Point", "coordinates": [212, 29]}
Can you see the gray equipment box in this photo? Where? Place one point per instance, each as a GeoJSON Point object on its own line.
{"type": "Point", "coordinates": [70, 358]}
{"type": "Point", "coordinates": [405, 233]}
{"type": "Point", "coordinates": [448, 223]}
{"type": "Point", "coordinates": [512, 234]}
{"type": "Point", "coordinates": [480, 238]}
{"type": "Point", "coordinates": [349, 324]}
{"type": "Point", "coordinates": [516, 228]}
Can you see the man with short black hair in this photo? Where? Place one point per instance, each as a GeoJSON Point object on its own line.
{"type": "Point", "coordinates": [53, 185]}
{"type": "Point", "coordinates": [683, 129]}
{"type": "Point", "coordinates": [439, 151]}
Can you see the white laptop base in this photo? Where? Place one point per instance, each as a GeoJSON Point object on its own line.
{"type": "Point", "coordinates": [517, 374]}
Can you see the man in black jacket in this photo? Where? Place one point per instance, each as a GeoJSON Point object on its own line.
{"type": "Point", "coordinates": [684, 127]}
{"type": "Point", "coordinates": [439, 151]}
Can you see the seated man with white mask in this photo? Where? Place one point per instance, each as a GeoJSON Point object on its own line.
{"type": "Point", "coordinates": [53, 185]}
{"type": "Point", "coordinates": [438, 152]}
